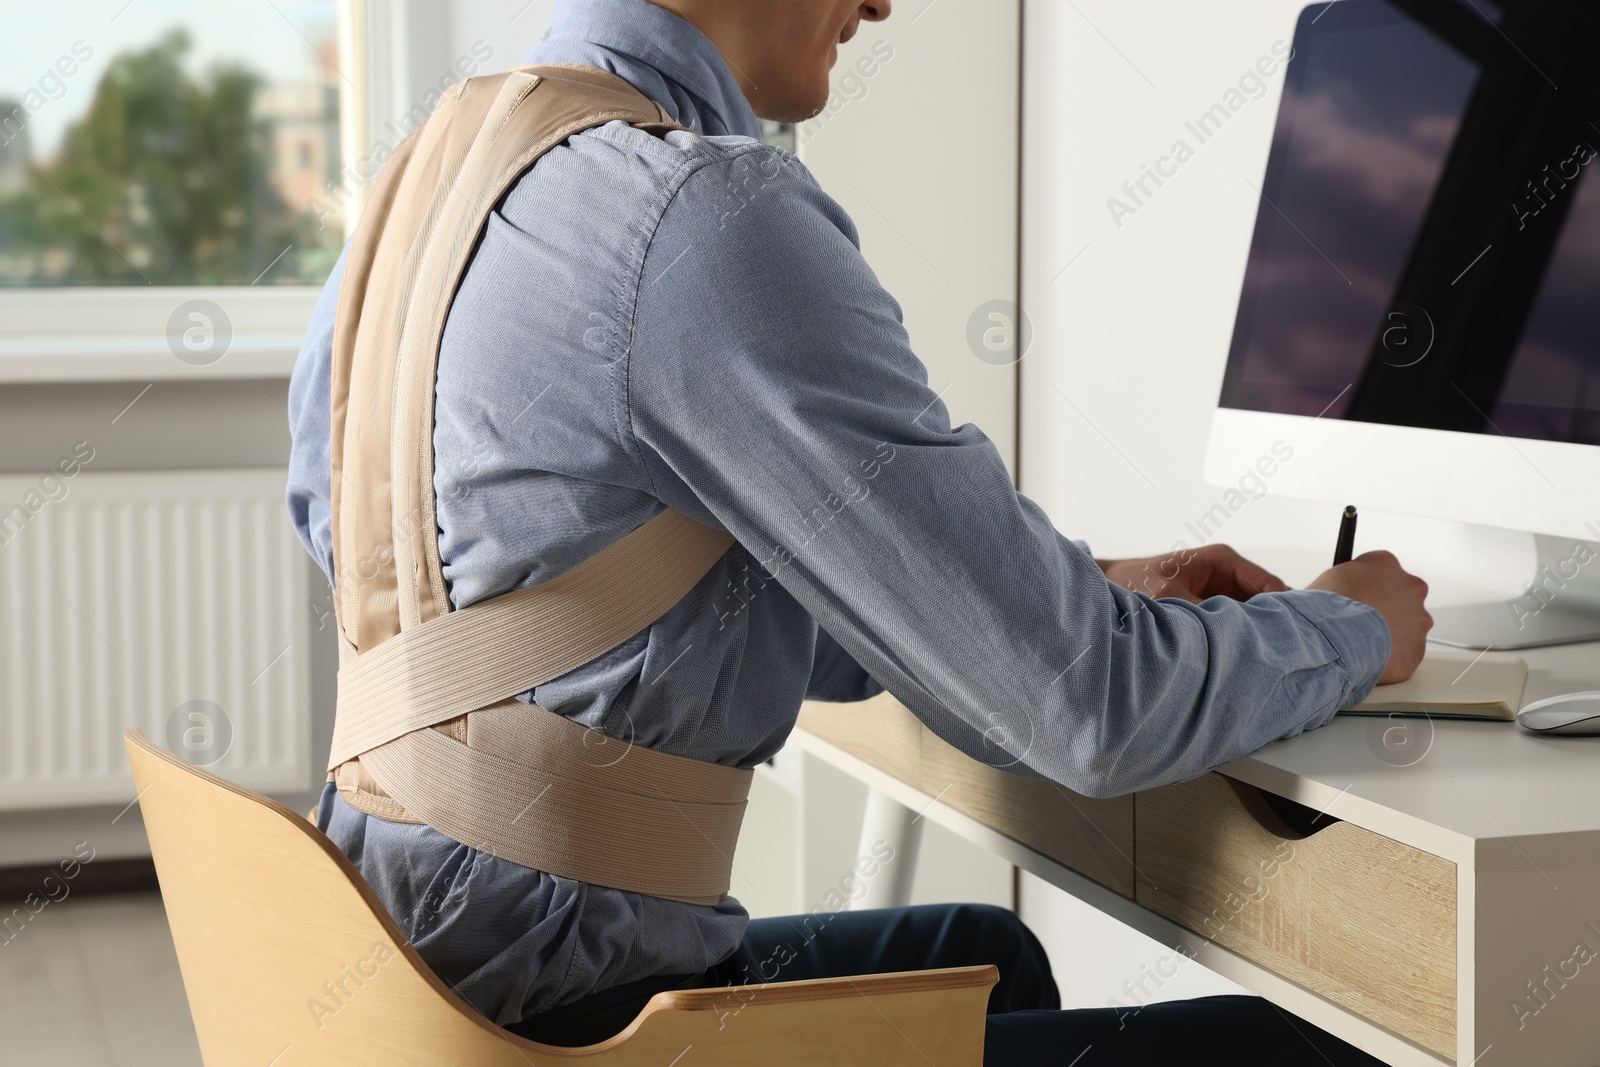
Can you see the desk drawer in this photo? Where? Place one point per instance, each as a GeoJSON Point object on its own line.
{"type": "Point", "coordinates": [1092, 837]}
{"type": "Point", "coordinates": [1363, 920]}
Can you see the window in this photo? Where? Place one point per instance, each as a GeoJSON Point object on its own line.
{"type": "Point", "coordinates": [168, 142]}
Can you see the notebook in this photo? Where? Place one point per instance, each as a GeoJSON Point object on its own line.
{"type": "Point", "coordinates": [1455, 683]}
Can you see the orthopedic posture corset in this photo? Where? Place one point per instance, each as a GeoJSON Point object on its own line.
{"type": "Point", "coordinates": [428, 727]}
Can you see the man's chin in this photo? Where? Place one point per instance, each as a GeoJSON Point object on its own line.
{"type": "Point", "coordinates": [798, 110]}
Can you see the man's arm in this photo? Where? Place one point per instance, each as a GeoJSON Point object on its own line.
{"type": "Point", "coordinates": [771, 389]}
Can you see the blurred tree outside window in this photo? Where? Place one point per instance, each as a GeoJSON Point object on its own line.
{"type": "Point", "coordinates": [176, 144]}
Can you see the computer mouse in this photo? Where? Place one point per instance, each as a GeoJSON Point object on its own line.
{"type": "Point", "coordinates": [1567, 714]}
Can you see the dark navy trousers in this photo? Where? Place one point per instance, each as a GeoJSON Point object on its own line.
{"type": "Point", "coordinates": [1026, 1025]}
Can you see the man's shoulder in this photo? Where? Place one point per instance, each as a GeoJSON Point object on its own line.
{"type": "Point", "coordinates": [709, 183]}
{"type": "Point", "coordinates": [669, 162]}
{"type": "Point", "coordinates": [611, 186]}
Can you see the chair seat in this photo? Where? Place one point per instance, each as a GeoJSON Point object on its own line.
{"type": "Point", "coordinates": [288, 958]}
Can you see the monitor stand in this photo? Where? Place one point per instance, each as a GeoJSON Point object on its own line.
{"type": "Point", "coordinates": [1561, 604]}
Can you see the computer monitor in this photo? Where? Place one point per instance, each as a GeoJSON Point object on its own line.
{"type": "Point", "coordinates": [1420, 315]}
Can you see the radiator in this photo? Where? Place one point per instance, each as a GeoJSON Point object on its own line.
{"type": "Point", "coordinates": [174, 601]}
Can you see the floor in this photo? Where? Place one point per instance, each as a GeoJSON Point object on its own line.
{"type": "Point", "coordinates": [93, 981]}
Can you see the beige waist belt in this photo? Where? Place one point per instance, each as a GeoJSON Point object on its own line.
{"type": "Point", "coordinates": [427, 728]}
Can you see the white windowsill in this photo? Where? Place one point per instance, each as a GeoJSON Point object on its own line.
{"type": "Point", "coordinates": [120, 334]}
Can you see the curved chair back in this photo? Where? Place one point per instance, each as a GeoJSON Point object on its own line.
{"type": "Point", "coordinates": [289, 959]}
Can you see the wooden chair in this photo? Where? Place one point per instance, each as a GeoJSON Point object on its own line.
{"type": "Point", "coordinates": [289, 959]}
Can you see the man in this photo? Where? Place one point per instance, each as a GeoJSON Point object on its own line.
{"type": "Point", "coordinates": [687, 322]}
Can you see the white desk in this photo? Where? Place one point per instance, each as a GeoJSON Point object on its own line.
{"type": "Point", "coordinates": [1419, 926]}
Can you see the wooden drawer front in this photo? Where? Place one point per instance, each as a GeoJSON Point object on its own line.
{"type": "Point", "coordinates": [1093, 837]}
{"type": "Point", "coordinates": [1363, 920]}
{"type": "Point", "coordinates": [880, 731]}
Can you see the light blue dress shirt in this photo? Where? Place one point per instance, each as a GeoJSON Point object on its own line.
{"type": "Point", "coordinates": [688, 322]}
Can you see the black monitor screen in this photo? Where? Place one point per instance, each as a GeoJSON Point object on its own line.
{"type": "Point", "coordinates": [1427, 245]}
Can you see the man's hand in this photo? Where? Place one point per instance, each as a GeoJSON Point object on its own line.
{"type": "Point", "coordinates": [1375, 579]}
{"type": "Point", "coordinates": [1193, 574]}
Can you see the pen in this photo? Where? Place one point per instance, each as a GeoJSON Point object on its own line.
{"type": "Point", "coordinates": [1347, 537]}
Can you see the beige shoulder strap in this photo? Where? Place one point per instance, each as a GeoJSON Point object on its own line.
{"type": "Point", "coordinates": [427, 730]}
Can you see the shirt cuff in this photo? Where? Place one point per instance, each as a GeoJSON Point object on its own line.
{"type": "Point", "coordinates": [1356, 632]}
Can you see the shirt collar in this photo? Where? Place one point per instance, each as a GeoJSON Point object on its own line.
{"type": "Point", "coordinates": [660, 54]}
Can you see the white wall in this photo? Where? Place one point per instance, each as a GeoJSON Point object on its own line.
{"type": "Point", "coordinates": [1136, 330]}
{"type": "Point", "coordinates": [510, 27]}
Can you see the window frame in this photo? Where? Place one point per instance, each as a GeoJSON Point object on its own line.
{"type": "Point", "coordinates": [120, 333]}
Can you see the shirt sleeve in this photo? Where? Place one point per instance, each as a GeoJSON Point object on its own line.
{"type": "Point", "coordinates": [772, 389]}
{"type": "Point", "coordinates": [310, 420]}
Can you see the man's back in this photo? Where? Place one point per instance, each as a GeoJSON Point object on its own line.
{"type": "Point", "coordinates": [688, 323]}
